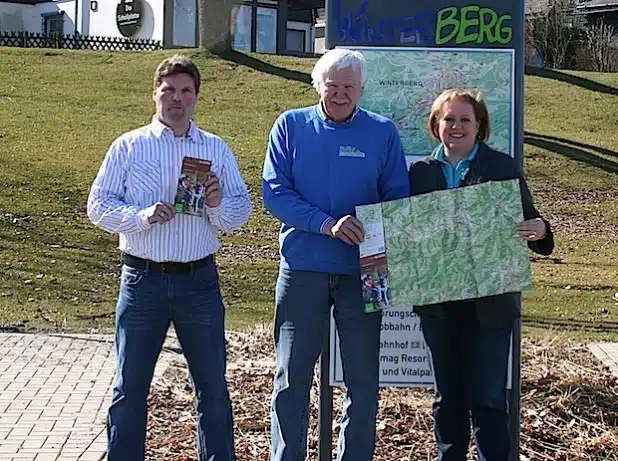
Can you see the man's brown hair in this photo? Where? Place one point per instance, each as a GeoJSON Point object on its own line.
{"type": "Point", "coordinates": [174, 65]}
{"type": "Point", "coordinates": [475, 99]}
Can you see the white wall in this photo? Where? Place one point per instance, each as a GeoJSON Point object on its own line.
{"type": "Point", "coordinates": [102, 22]}
{"type": "Point", "coordinates": [13, 17]}
{"type": "Point", "coordinates": [320, 45]}
{"type": "Point", "coordinates": [27, 18]}
{"type": "Point", "coordinates": [33, 22]}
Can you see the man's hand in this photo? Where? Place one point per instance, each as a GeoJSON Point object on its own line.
{"type": "Point", "coordinates": [532, 229]}
{"type": "Point", "coordinates": [212, 191]}
{"type": "Point", "coordinates": [160, 213]}
{"type": "Point", "coordinates": [349, 229]}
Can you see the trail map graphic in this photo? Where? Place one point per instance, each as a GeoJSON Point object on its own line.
{"type": "Point", "coordinates": [453, 244]}
{"type": "Point", "coordinates": [403, 83]}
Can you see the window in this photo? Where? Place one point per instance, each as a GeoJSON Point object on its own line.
{"type": "Point", "coordinates": [255, 26]}
{"type": "Point", "coordinates": [53, 23]}
{"type": "Point", "coordinates": [295, 41]}
{"type": "Point", "coordinates": [241, 27]}
{"type": "Point", "coordinates": [266, 40]}
{"type": "Point", "coordinates": [185, 22]}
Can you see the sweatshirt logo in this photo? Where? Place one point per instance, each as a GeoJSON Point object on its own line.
{"type": "Point", "coordinates": [350, 151]}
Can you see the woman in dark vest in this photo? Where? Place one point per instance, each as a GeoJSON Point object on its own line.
{"type": "Point", "coordinates": [469, 340]}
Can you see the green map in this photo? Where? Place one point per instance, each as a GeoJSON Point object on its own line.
{"type": "Point", "coordinates": [403, 83]}
{"type": "Point", "coordinates": [454, 244]}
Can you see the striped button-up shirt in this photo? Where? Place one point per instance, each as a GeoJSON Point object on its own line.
{"type": "Point", "coordinates": [142, 168]}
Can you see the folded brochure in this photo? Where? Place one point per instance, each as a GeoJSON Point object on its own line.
{"type": "Point", "coordinates": [190, 190]}
{"type": "Point", "coordinates": [373, 260]}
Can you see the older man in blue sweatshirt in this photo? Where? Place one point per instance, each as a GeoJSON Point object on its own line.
{"type": "Point", "coordinates": [321, 162]}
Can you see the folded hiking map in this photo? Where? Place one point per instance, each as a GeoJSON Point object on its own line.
{"type": "Point", "coordinates": [444, 246]}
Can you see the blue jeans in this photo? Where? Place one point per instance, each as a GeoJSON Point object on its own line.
{"type": "Point", "coordinates": [303, 301]}
{"type": "Point", "coordinates": [147, 303]}
{"type": "Point", "coordinates": [470, 368]}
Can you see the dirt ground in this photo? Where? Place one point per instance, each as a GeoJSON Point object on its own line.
{"type": "Point", "coordinates": [569, 408]}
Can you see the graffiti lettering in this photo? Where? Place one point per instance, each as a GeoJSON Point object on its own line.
{"type": "Point", "coordinates": [472, 24]}
{"type": "Point", "coordinates": [356, 27]}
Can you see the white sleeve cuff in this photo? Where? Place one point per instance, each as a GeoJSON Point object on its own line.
{"type": "Point", "coordinates": [142, 219]}
{"type": "Point", "coordinates": [214, 212]}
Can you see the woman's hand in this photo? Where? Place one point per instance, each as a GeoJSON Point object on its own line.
{"type": "Point", "coordinates": [532, 230]}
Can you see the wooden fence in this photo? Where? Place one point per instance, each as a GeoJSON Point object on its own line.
{"type": "Point", "coordinates": [76, 42]}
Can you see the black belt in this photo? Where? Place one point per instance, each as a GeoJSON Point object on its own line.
{"type": "Point", "coordinates": [166, 267]}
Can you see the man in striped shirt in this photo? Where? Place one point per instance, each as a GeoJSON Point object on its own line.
{"type": "Point", "coordinates": [169, 272]}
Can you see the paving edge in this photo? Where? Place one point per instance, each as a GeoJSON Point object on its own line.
{"type": "Point", "coordinates": [94, 451]}
{"type": "Point", "coordinates": [599, 350]}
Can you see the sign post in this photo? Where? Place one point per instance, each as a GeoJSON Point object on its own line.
{"type": "Point", "coordinates": [414, 51]}
{"type": "Point", "coordinates": [325, 417]}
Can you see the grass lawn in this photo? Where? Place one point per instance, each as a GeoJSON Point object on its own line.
{"type": "Point", "coordinates": [60, 110]}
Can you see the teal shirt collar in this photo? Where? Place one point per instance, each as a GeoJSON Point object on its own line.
{"type": "Point", "coordinates": [454, 175]}
{"type": "Point", "coordinates": [439, 155]}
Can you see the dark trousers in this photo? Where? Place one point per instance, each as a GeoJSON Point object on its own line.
{"type": "Point", "coordinates": [470, 368]}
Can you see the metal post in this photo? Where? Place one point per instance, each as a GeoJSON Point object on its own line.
{"type": "Point", "coordinates": [327, 44]}
{"type": "Point", "coordinates": [514, 403]}
{"type": "Point", "coordinates": [282, 21]}
{"type": "Point", "coordinates": [325, 422]}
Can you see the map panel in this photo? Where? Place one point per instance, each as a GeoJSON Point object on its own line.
{"type": "Point", "coordinates": [403, 83]}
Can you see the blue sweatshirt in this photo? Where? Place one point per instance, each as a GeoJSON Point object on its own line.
{"type": "Point", "coordinates": [316, 170]}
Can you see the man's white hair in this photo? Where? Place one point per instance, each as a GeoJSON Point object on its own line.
{"type": "Point", "coordinates": [337, 59]}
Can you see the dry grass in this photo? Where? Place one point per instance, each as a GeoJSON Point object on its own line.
{"type": "Point", "coordinates": [569, 407]}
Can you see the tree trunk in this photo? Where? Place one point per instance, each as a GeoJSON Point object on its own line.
{"type": "Point", "coordinates": [214, 22]}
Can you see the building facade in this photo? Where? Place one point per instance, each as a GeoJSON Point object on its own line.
{"type": "Point", "coordinates": [599, 10]}
{"type": "Point", "coordinates": [38, 16]}
{"type": "Point", "coordinates": [265, 26]}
